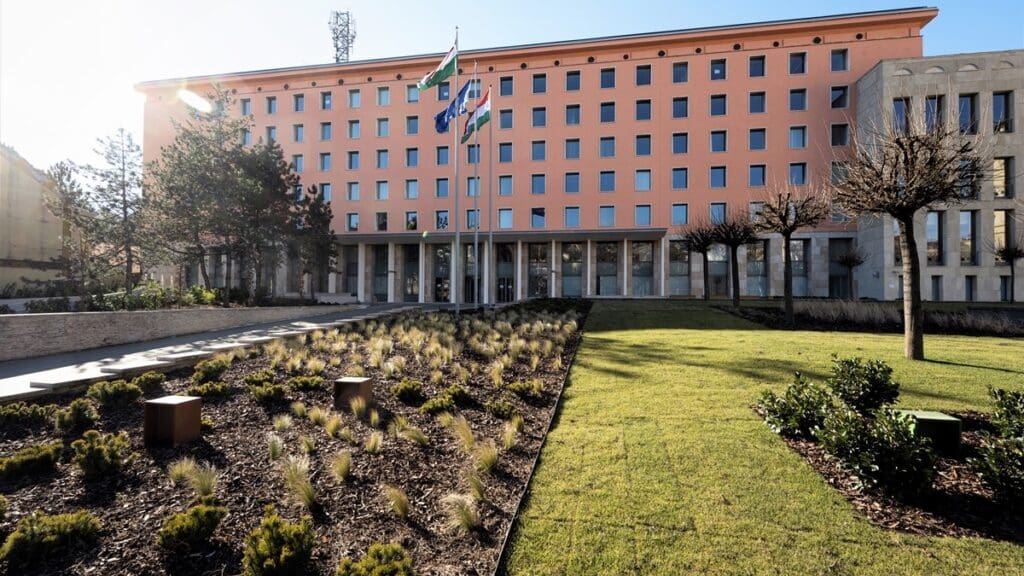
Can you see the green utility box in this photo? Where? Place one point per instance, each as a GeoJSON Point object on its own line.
{"type": "Point", "coordinates": [943, 430]}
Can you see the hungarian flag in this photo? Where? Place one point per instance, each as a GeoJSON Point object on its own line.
{"type": "Point", "coordinates": [480, 116]}
{"type": "Point", "coordinates": [445, 69]}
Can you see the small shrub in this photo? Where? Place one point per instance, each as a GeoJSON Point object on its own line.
{"type": "Point", "coordinates": [341, 465]}
{"type": "Point", "coordinates": [190, 529]}
{"type": "Point", "coordinates": [521, 389]}
{"type": "Point", "coordinates": [374, 442]}
{"type": "Point", "coordinates": [315, 366]}
{"type": "Point", "coordinates": [317, 416]}
{"type": "Point", "coordinates": [1008, 417]}
{"type": "Point", "coordinates": [40, 536]}
{"type": "Point", "coordinates": [209, 390]}
{"type": "Point", "coordinates": [408, 391]}
{"type": "Point", "coordinates": [462, 513]}
{"type": "Point", "coordinates": [150, 381]}
{"type": "Point", "coordinates": [439, 403]}
{"type": "Point", "coordinates": [358, 407]}
{"type": "Point", "coordinates": [398, 500]}
{"type": "Point", "coordinates": [380, 560]}
{"type": "Point", "coordinates": [295, 473]}
{"type": "Point", "coordinates": [79, 415]}
{"type": "Point", "coordinates": [32, 460]}
{"type": "Point", "coordinates": [181, 470]}
{"type": "Point", "coordinates": [501, 408]}
{"type": "Point", "coordinates": [445, 419]}
{"type": "Point", "coordinates": [476, 486]}
{"type": "Point", "coordinates": [374, 419]}
{"type": "Point", "coordinates": [517, 422]}
{"type": "Point", "coordinates": [306, 444]}
{"type": "Point", "coordinates": [3, 507]}
{"type": "Point", "coordinates": [22, 414]}
{"type": "Point", "coordinates": [305, 383]}
{"type": "Point", "coordinates": [277, 547]}
{"type": "Point", "coordinates": [333, 425]}
{"type": "Point", "coordinates": [401, 428]}
{"type": "Point", "coordinates": [508, 435]}
{"type": "Point", "coordinates": [864, 386]}
{"type": "Point", "coordinates": [203, 479]}
{"type": "Point", "coordinates": [299, 409]}
{"type": "Point", "coordinates": [275, 446]}
{"type": "Point", "coordinates": [463, 433]}
{"type": "Point", "coordinates": [1000, 462]}
{"type": "Point", "coordinates": [98, 454]}
{"type": "Point", "coordinates": [799, 411]}
{"type": "Point", "coordinates": [210, 369]}
{"type": "Point", "coordinates": [282, 422]}
{"type": "Point", "coordinates": [264, 376]}
{"type": "Point", "coordinates": [486, 456]}
{"type": "Point", "coordinates": [268, 393]}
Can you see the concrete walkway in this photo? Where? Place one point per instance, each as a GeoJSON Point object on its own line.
{"type": "Point", "coordinates": [34, 377]}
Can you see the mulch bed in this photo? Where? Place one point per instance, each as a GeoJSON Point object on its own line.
{"type": "Point", "coordinates": [959, 504]}
{"type": "Point", "coordinates": [351, 516]}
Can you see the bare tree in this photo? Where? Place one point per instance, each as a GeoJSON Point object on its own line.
{"type": "Point", "coordinates": [70, 203]}
{"type": "Point", "coordinates": [900, 169]}
{"type": "Point", "coordinates": [735, 231]}
{"type": "Point", "coordinates": [1009, 249]}
{"type": "Point", "coordinates": [851, 259]}
{"type": "Point", "coordinates": [700, 237]}
{"type": "Point", "coordinates": [785, 210]}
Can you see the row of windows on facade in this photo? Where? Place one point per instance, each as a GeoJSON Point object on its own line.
{"type": "Point", "coordinates": [970, 288]}
{"type": "Point", "coordinates": [968, 112]}
{"type": "Point", "coordinates": [757, 103]}
{"type": "Point", "coordinates": [643, 76]}
{"type": "Point", "coordinates": [968, 230]}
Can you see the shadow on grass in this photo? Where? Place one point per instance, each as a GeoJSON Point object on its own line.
{"type": "Point", "coordinates": [978, 366]}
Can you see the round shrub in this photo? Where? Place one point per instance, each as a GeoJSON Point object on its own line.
{"type": "Point", "coordinates": [98, 454]}
{"type": "Point", "coordinates": [268, 393]}
{"type": "Point", "coordinates": [34, 460]}
{"type": "Point", "coordinates": [114, 393]}
{"type": "Point", "coordinates": [408, 391]}
{"type": "Point", "coordinates": [864, 386]}
{"type": "Point", "coordinates": [149, 381]}
{"type": "Point", "coordinates": [1008, 417]}
{"type": "Point", "coordinates": [1000, 462]}
{"type": "Point", "coordinates": [501, 408]}
{"type": "Point", "coordinates": [20, 414]}
{"type": "Point", "coordinates": [380, 560]}
{"type": "Point", "coordinates": [210, 369]}
{"type": "Point", "coordinates": [305, 383]}
{"type": "Point", "coordinates": [79, 415]}
{"type": "Point", "coordinates": [799, 411]}
{"type": "Point", "coordinates": [209, 389]}
{"type": "Point", "coordinates": [264, 376]}
{"type": "Point", "coordinates": [277, 547]}
{"type": "Point", "coordinates": [190, 529]}
{"type": "Point", "coordinates": [40, 536]}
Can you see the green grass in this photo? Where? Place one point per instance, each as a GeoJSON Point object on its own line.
{"type": "Point", "coordinates": [656, 464]}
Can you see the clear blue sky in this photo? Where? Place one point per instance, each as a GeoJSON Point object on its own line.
{"type": "Point", "coordinates": [67, 66]}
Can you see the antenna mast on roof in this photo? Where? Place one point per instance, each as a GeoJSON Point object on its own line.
{"type": "Point", "coordinates": [343, 30]}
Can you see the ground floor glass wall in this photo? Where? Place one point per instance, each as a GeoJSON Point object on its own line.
{"type": "Point", "coordinates": [572, 269]}
{"type": "Point", "coordinates": [678, 268]}
{"type": "Point", "coordinates": [504, 255]}
{"type": "Point", "coordinates": [643, 268]}
{"type": "Point", "coordinates": [539, 270]}
{"type": "Point", "coordinates": [607, 268]}
{"type": "Point", "coordinates": [757, 268]}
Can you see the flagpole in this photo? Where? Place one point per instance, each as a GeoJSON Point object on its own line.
{"type": "Point", "coordinates": [490, 198]}
{"type": "Point", "coordinates": [458, 237]}
{"type": "Point", "coordinates": [476, 207]}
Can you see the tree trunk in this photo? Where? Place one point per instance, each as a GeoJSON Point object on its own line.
{"type": "Point", "coordinates": [1013, 280]}
{"type": "Point", "coordinates": [734, 266]}
{"type": "Point", "coordinates": [787, 279]}
{"type": "Point", "coordinates": [227, 279]}
{"type": "Point", "coordinates": [913, 313]}
{"type": "Point", "coordinates": [257, 275]}
{"type": "Point", "coordinates": [707, 277]}
{"type": "Point", "coordinates": [203, 271]}
{"type": "Point", "coordinates": [849, 281]}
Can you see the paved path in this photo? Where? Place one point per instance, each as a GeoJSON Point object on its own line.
{"type": "Point", "coordinates": [34, 377]}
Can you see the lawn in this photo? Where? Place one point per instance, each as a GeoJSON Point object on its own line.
{"type": "Point", "coordinates": [657, 465]}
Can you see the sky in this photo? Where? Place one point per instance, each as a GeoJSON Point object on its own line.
{"type": "Point", "coordinates": [67, 67]}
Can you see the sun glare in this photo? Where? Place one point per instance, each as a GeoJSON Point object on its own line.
{"type": "Point", "coordinates": [194, 100]}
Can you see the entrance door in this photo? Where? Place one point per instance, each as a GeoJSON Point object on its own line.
{"type": "Point", "coordinates": [506, 286]}
{"type": "Point", "coordinates": [539, 270]}
{"type": "Point", "coordinates": [442, 268]}
{"type": "Point", "coordinates": [411, 273]}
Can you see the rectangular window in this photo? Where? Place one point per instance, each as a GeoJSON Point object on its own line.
{"type": "Point", "coordinates": [970, 288]}
{"type": "Point", "coordinates": [326, 132]}
{"type": "Point", "coordinates": [412, 125]}
{"type": "Point", "coordinates": [299, 102]}
{"type": "Point", "coordinates": [325, 161]}
{"type": "Point", "coordinates": [680, 178]}
{"type": "Point", "coordinates": [608, 78]}
{"type": "Point", "coordinates": [271, 104]}
{"type": "Point", "coordinates": [297, 163]}
{"type": "Point", "coordinates": [504, 119]}
{"type": "Point", "coordinates": [412, 157]}
{"type": "Point", "coordinates": [1002, 232]}
{"type": "Point", "coordinates": [840, 134]}
{"type": "Point", "coordinates": [505, 218]}
{"type": "Point", "coordinates": [353, 129]}
{"type": "Point", "coordinates": [441, 156]}
{"type": "Point", "coordinates": [298, 133]}
{"type": "Point", "coordinates": [411, 220]}
{"type": "Point", "coordinates": [968, 237]}
{"type": "Point", "coordinates": [757, 139]}
{"type": "Point", "coordinates": [718, 105]}
{"type": "Point", "coordinates": [444, 91]}
{"type": "Point", "coordinates": [901, 114]}
{"type": "Point", "coordinates": [968, 113]}
{"type": "Point", "coordinates": [383, 96]}
{"type": "Point", "coordinates": [473, 154]}
{"type": "Point", "coordinates": [441, 219]}
{"type": "Point", "coordinates": [246, 107]}
{"type": "Point", "coordinates": [538, 150]}
{"type": "Point", "coordinates": [718, 69]}
{"type": "Point", "coordinates": [382, 221]}
{"type": "Point", "coordinates": [756, 212]}
{"type": "Point", "coordinates": [505, 152]}
{"type": "Point", "coordinates": [441, 187]}
{"type": "Point", "coordinates": [607, 112]}
{"type": "Point", "coordinates": [505, 86]}
{"type": "Point", "coordinates": [607, 181]}
{"type": "Point", "coordinates": [717, 211]}
{"type": "Point", "coordinates": [1002, 177]}
{"type": "Point", "coordinates": [757, 103]}
{"type": "Point", "coordinates": [798, 63]}
{"type": "Point", "coordinates": [840, 96]}
{"type": "Point", "coordinates": [246, 136]}
{"type": "Point", "coordinates": [797, 100]}
{"type": "Point", "coordinates": [353, 160]}
{"type": "Point", "coordinates": [271, 134]}
{"type": "Point", "coordinates": [412, 94]}
{"type": "Point", "coordinates": [472, 187]}
{"type": "Point", "coordinates": [718, 177]}
{"type": "Point", "coordinates": [1002, 111]}
{"type": "Point", "coordinates": [540, 117]}
{"type": "Point", "coordinates": [680, 72]}
{"type": "Point", "coordinates": [680, 107]}
{"type": "Point", "coordinates": [572, 115]}
{"type": "Point", "coordinates": [934, 112]}
{"type": "Point", "coordinates": [642, 215]}
{"type": "Point", "coordinates": [643, 75]}
{"type": "Point", "coordinates": [537, 217]}
{"type": "Point", "coordinates": [642, 181]}
{"type": "Point", "coordinates": [474, 89]}
{"type": "Point", "coordinates": [352, 222]}
{"type": "Point", "coordinates": [540, 83]}
{"type": "Point", "coordinates": [538, 184]}
{"type": "Point", "coordinates": [383, 158]}
{"type": "Point", "coordinates": [352, 191]}
{"type": "Point", "coordinates": [797, 137]}
{"type": "Point", "coordinates": [643, 145]}
{"type": "Point", "coordinates": [680, 214]}
{"type": "Point", "coordinates": [933, 237]}
{"type": "Point", "coordinates": [643, 109]}
{"type": "Point", "coordinates": [937, 288]}
{"type": "Point", "coordinates": [572, 80]}
{"type": "Point", "coordinates": [355, 99]}
{"type": "Point", "coordinates": [472, 219]}
{"type": "Point", "coordinates": [840, 60]}
{"type": "Point", "coordinates": [572, 182]}
{"type": "Point", "coordinates": [325, 189]}
{"type": "Point", "coordinates": [383, 127]}
{"type": "Point", "coordinates": [756, 177]}
{"type": "Point", "coordinates": [607, 147]}
{"type": "Point", "coordinates": [718, 141]}
{"type": "Point", "coordinates": [838, 172]}
{"type": "Point", "coordinates": [505, 185]}
{"type": "Point", "coordinates": [572, 149]}
{"type": "Point", "coordinates": [756, 66]}
{"type": "Point", "coordinates": [798, 173]}
{"type": "Point", "coordinates": [606, 216]}
{"type": "Point", "coordinates": [680, 143]}
{"type": "Point", "coordinates": [572, 217]}
{"type": "Point", "coordinates": [382, 190]}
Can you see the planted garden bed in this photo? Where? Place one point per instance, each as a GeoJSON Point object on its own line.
{"type": "Point", "coordinates": [437, 464]}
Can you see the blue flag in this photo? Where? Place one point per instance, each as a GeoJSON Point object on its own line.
{"type": "Point", "coordinates": [455, 108]}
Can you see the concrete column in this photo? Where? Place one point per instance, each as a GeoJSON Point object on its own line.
{"type": "Point", "coordinates": [556, 268]}
{"type": "Point", "coordinates": [453, 273]}
{"type": "Point", "coordinates": [519, 270]}
{"type": "Point", "coordinates": [661, 270]}
{"type": "Point", "coordinates": [485, 296]}
{"type": "Point", "coordinates": [362, 275]}
{"type": "Point", "coordinates": [626, 276]}
{"type": "Point", "coordinates": [422, 247]}
{"type": "Point", "coordinates": [392, 273]}
{"type": "Point", "coordinates": [588, 269]}
{"type": "Point", "coordinates": [281, 277]}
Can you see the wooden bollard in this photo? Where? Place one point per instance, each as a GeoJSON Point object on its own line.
{"type": "Point", "coordinates": [349, 387]}
{"type": "Point", "coordinates": [172, 420]}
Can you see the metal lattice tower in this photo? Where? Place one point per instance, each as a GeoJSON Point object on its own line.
{"type": "Point", "coordinates": [343, 31]}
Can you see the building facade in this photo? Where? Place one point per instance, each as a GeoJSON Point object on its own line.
{"type": "Point", "coordinates": [603, 150]}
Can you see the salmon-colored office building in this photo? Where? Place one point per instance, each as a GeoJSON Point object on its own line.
{"type": "Point", "coordinates": [603, 150]}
